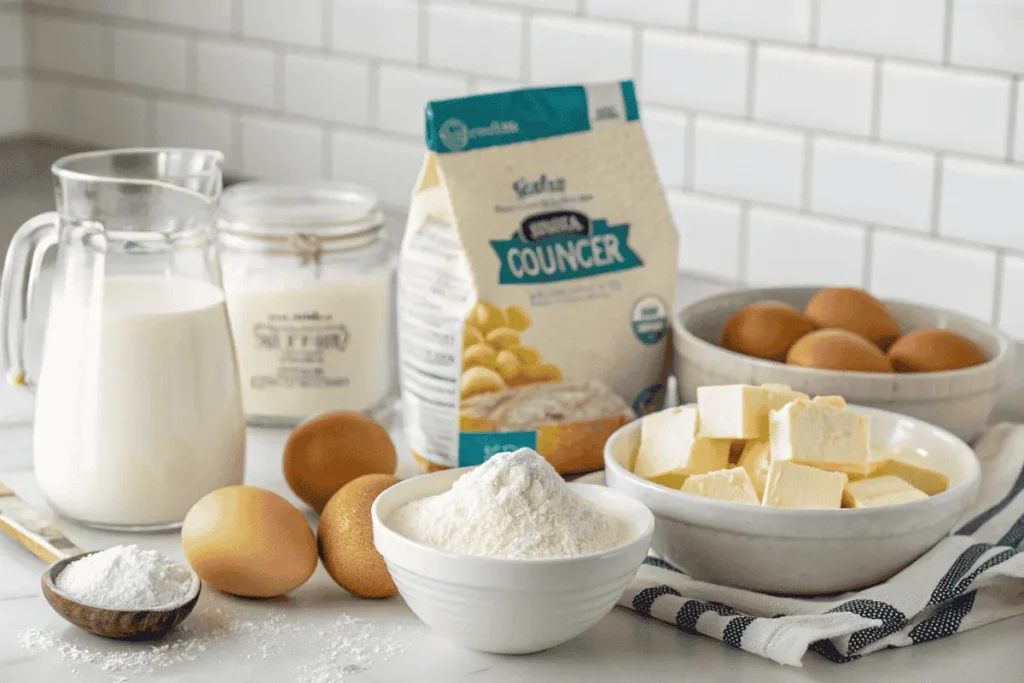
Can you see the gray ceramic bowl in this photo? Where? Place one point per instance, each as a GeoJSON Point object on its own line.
{"type": "Point", "coordinates": [958, 400]}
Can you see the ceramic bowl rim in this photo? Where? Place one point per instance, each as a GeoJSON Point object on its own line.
{"type": "Point", "coordinates": [681, 331]}
{"type": "Point", "coordinates": [640, 517]}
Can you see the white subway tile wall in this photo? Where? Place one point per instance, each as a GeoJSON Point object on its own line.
{"type": "Point", "coordinates": [707, 74]}
{"type": "Point", "coordinates": [12, 37]}
{"type": "Point", "coordinates": [279, 150]}
{"type": "Point", "coordinates": [711, 229]}
{"type": "Point", "coordinates": [184, 124]}
{"type": "Point", "coordinates": [788, 248]}
{"type": "Point", "coordinates": [151, 59]}
{"type": "Point", "coordinates": [747, 161]}
{"type": "Point", "coordinates": [808, 88]}
{"type": "Point", "coordinates": [896, 28]}
{"type": "Point", "coordinates": [947, 110]}
{"type": "Point", "coordinates": [14, 84]}
{"type": "Point", "coordinates": [945, 275]}
{"type": "Point", "coordinates": [569, 49]}
{"type": "Point", "coordinates": [1011, 312]}
{"type": "Point", "coordinates": [501, 30]}
{"type": "Point", "coordinates": [13, 113]}
{"type": "Point", "coordinates": [788, 20]}
{"type": "Point", "coordinates": [871, 142]}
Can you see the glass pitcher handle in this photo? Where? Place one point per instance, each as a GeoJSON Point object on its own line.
{"type": "Point", "coordinates": [21, 268]}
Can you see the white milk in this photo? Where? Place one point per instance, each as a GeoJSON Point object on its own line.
{"type": "Point", "coordinates": [315, 347]}
{"type": "Point", "coordinates": [138, 413]}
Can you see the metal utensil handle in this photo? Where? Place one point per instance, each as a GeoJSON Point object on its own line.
{"type": "Point", "coordinates": [24, 258]}
{"type": "Point", "coordinates": [27, 527]}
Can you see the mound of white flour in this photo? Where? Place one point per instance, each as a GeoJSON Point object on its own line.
{"type": "Point", "coordinates": [515, 505]}
{"type": "Point", "coordinates": [126, 577]}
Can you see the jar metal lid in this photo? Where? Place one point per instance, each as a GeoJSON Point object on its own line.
{"type": "Point", "coordinates": [277, 210]}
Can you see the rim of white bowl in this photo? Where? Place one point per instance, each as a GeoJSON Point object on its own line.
{"type": "Point", "coordinates": [641, 516]}
{"type": "Point", "coordinates": [974, 467]}
{"type": "Point", "coordinates": [1005, 353]}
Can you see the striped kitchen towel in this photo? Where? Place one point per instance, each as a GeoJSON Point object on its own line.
{"type": "Point", "coordinates": [971, 578]}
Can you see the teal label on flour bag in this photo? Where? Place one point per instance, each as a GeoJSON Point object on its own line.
{"type": "Point", "coordinates": [475, 448]}
{"type": "Point", "coordinates": [563, 245]}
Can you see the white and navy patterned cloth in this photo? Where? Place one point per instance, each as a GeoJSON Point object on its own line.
{"type": "Point", "coordinates": [973, 577]}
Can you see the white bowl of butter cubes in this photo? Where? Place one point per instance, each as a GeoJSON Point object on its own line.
{"type": "Point", "coordinates": [768, 489]}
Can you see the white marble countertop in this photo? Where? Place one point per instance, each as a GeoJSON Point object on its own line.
{"type": "Point", "coordinates": [292, 639]}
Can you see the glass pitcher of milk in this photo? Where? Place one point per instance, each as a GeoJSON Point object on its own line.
{"type": "Point", "coordinates": [138, 407]}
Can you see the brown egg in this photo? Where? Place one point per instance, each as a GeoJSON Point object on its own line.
{"type": "Point", "coordinates": [930, 350]}
{"type": "Point", "coordinates": [248, 541]}
{"type": "Point", "coordinates": [345, 539]}
{"type": "Point", "coordinates": [838, 350]}
{"type": "Point", "coordinates": [329, 451]}
{"type": "Point", "coordinates": [854, 310]}
{"type": "Point", "coordinates": [765, 330]}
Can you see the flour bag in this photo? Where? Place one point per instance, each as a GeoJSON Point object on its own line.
{"type": "Point", "coordinates": [536, 277]}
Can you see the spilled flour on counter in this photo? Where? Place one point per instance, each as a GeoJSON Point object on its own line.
{"type": "Point", "coordinates": [328, 653]}
{"type": "Point", "coordinates": [514, 505]}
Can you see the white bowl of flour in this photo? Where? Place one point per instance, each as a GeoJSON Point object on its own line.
{"type": "Point", "coordinates": [507, 557]}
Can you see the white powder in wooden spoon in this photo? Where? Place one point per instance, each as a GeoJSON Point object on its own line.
{"type": "Point", "coordinates": [126, 577]}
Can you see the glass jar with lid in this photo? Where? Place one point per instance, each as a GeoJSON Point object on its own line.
{"type": "Point", "coordinates": [309, 278]}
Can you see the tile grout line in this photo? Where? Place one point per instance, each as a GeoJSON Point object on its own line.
{"type": "Point", "coordinates": [997, 295]}
{"type": "Point", "coordinates": [279, 84]}
{"type": "Point", "coordinates": [192, 65]}
{"type": "Point", "coordinates": [327, 29]}
{"type": "Point", "coordinates": [869, 251]}
{"type": "Point", "coordinates": [525, 46]}
{"type": "Point", "coordinates": [326, 154]}
{"type": "Point", "coordinates": [149, 124]}
{"type": "Point", "coordinates": [422, 34]}
{"type": "Point", "coordinates": [638, 60]}
{"type": "Point", "coordinates": [751, 93]}
{"type": "Point", "coordinates": [743, 244]}
{"type": "Point", "coordinates": [236, 137]}
{"type": "Point", "coordinates": [814, 32]}
{"type": "Point", "coordinates": [947, 34]}
{"type": "Point", "coordinates": [694, 16]}
{"type": "Point", "coordinates": [373, 104]}
{"type": "Point", "coordinates": [1011, 125]}
{"type": "Point", "coordinates": [237, 21]}
{"type": "Point", "coordinates": [151, 24]}
{"type": "Point", "coordinates": [940, 161]}
{"type": "Point", "coordinates": [807, 184]}
{"type": "Point", "coordinates": [690, 153]}
{"type": "Point", "coordinates": [876, 101]}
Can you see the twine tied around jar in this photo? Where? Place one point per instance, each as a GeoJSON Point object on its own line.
{"type": "Point", "coordinates": [307, 247]}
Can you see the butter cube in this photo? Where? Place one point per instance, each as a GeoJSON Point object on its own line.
{"type": "Point", "coordinates": [877, 459]}
{"type": "Point", "coordinates": [832, 401]}
{"type": "Point", "coordinates": [740, 411]}
{"type": "Point", "coordinates": [913, 469]}
{"type": "Point", "coordinates": [672, 480]}
{"type": "Point", "coordinates": [820, 435]}
{"type": "Point", "coordinates": [669, 445]}
{"type": "Point", "coordinates": [798, 486]}
{"type": "Point", "coordinates": [731, 485]}
{"type": "Point", "coordinates": [878, 491]}
{"type": "Point", "coordinates": [756, 459]}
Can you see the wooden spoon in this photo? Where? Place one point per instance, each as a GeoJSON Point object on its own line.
{"type": "Point", "coordinates": [47, 543]}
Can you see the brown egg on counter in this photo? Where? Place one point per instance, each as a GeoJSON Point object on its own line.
{"type": "Point", "coordinates": [932, 350]}
{"type": "Point", "coordinates": [327, 452]}
{"type": "Point", "coordinates": [853, 310]}
{"type": "Point", "coordinates": [834, 349]}
{"type": "Point", "coordinates": [345, 539]}
{"type": "Point", "coordinates": [765, 329]}
{"type": "Point", "coordinates": [249, 541]}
